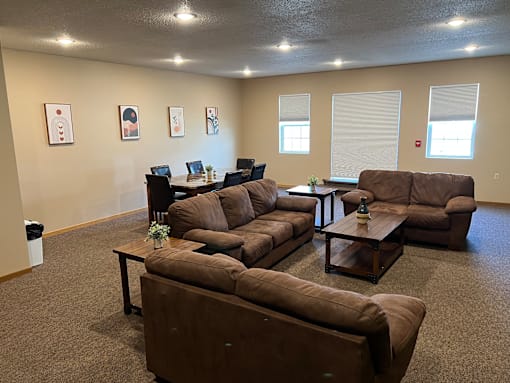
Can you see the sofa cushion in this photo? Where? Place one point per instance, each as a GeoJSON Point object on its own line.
{"type": "Point", "coordinates": [236, 204]}
{"type": "Point", "coordinates": [300, 221]}
{"type": "Point", "coordinates": [405, 315]}
{"type": "Point", "coordinates": [201, 212]}
{"type": "Point", "coordinates": [427, 217]}
{"type": "Point", "coordinates": [256, 246]}
{"type": "Point", "coordinates": [387, 185]}
{"type": "Point", "coordinates": [387, 207]}
{"type": "Point", "coordinates": [337, 309]}
{"type": "Point", "coordinates": [217, 272]}
{"type": "Point", "coordinates": [279, 231]}
{"type": "Point", "coordinates": [296, 203]}
{"type": "Point", "coordinates": [263, 194]}
{"type": "Point", "coordinates": [436, 189]}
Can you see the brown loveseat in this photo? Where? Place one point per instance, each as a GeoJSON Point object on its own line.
{"type": "Point", "coordinates": [207, 318]}
{"type": "Point", "coordinates": [439, 206]}
{"type": "Point", "coordinates": [249, 222]}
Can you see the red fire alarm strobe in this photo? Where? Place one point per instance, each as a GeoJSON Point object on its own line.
{"type": "Point", "coordinates": [417, 143]}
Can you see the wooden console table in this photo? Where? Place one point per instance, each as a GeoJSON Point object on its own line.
{"type": "Point", "coordinates": [320, 192]}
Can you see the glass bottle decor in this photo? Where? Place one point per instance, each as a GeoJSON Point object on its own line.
{"type": "Point", "coordinates": [362, 214]}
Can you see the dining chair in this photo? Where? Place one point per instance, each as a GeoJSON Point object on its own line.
{"type": "Point", "coordinates": [161, 170]}
{"type": "Point", "coordinates": [257, 172]}
{"type": "Point", "coordinates": [195, 167]}
{"type": "Point", "coordinates": [245, 163]}
{"type": "Point", "coordinates": [232, 178]}
{"type": "Point", "coordinates": [160, 196]}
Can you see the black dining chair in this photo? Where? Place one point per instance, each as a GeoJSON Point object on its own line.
{"type": "Point", "coordinates": [160, 196]}
{"type": "Point", "coordinates": [245, 163]}
{"type": "Point", "coordinates": [257, 172]}
{"type": "Point", "coordinates": [195, 167]}
{"type": "Point", "coordinates": [161, 170]}
{"type": "Point", "coordinates": [232, 178]}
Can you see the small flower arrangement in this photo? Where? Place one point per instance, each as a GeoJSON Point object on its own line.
{"type": "Point", "coordinates": [208, 167]}
{"type": "Point", "coordinates": [158, 232]}
{"type": "Point", "coordinates": [313, 180]}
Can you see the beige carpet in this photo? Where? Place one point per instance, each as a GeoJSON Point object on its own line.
{"type": "Point", "coordinates": [64, 321]}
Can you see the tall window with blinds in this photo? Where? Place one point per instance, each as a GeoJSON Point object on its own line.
{"type": "Point", "coordinates": [365, 133]}
{"type": "Point", "coordinates": [294, 123]}
{"type": "Point", "coordinates": [452, 121]}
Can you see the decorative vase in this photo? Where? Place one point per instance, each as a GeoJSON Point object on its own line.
{"type": "Point", "coordinates": [158, 243]}
{"type": "Point", "coordinates": [362, 214]}
{"type": "Point", "coordinates": [312, 188]}
{"type": "Point", "coordinates": [209, 175]}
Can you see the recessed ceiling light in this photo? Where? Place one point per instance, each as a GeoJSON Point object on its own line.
{"type": "Point", "coordinates": [338, 62]}
{"type": "Point", "coordinates": [178, 60]}
{"type": "Point", "coordinates": [456, 22]}
{"type": "Point", "coordinates": [65, 41]}
{"type": "Point", "coordinates": [284, 46]}
{"type": "Point", "coordinates": [471, 48]}
{"type": "Point", "coordinates": [247, 72]}
{"type": "Point", "coordinates": [185, 16]}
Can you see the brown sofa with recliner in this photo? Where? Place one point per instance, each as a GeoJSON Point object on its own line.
{"type": "Point", "coordinates": [207, 318]}
{"type": "Point", "coordinates": [439, 206]}
{"type": "Point", "coordinates": [249, 222]}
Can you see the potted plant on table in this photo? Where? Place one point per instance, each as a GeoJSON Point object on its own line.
{"type": "Point", "coordinates": [313, 181]}
{"type": "Point", "coordinates": [158, 233]}
{"type": "Point", "coordinates": [209, 170]}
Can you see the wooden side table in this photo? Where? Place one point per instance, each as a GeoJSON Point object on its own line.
{"type": "Point", "coordinates": [138, 251]}
{"type": "Point", "coordinates": [320, 192]}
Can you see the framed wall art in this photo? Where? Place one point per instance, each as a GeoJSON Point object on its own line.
{"type": "Point", "coordinates": [129, 122]}
{"type": "Point", "coordinates": [59, 124]}
{"type": "Point", "coordinates": [211, 114]}
{"type": "Point", "coordinates": [176, 121]}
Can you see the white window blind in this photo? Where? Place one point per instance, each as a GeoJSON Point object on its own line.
{"type": "Point", "coordinates": [365, 132]}
{"type": "Point", "coordinates": [453, 102]}
{"type": "Point", "coordinates": [294, 123]}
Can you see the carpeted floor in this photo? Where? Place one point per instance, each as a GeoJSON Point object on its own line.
{"type": "Point", "coordinates": [64, 321]}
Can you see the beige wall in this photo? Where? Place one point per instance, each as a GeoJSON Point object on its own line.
{"type": "Point", "coordinates": [260, 119]}
{"type": "Point", "coordinates": [14, 251]}
{"type": "Point", "coordinates": [100, 175]}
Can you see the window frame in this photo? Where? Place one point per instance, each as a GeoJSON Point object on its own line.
{"type": "Point", "coordinates": [293, 123]}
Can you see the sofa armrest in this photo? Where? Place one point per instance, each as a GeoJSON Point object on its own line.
{"type": "Point", "coordinates": [296, 203]}
{"type": "Point", "coordinates": [460, 204]}
{"type": "Point", "coordinates": [216, 240]}
{"type": "Point", "coordinates": [354, 196]}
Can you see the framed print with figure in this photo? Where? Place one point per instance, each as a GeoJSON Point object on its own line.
{"type": "Point", "coordinates": [176, 121]}
{"type": "Point", "coordinates": [211, 114]}
{"type": "Point", "coordinates": [59, 124]}
{"type": "Point", "coordinates": [129, 122]}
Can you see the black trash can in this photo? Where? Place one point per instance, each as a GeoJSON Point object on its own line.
{"type": "Point", "coordinates": [34, 232]}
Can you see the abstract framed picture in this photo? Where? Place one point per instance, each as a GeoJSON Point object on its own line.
{"type": "Point", "coordinates": [176, 114]}
{"type": "Point", "coordinates": [211, 115]}
{"type": "Point", "coordinates": [59, 124]}
{"type": "Point", "coordinates": [129, 122]}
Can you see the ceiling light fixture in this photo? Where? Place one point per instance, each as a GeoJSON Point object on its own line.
{"type": "Point", "coordinates": [456, 22]}
{"type": "Point", "coordinates": [185, 13]}
{"type": "Point", "coordinates": [65, 41]}
{"type": "Point", "coordinates": [178, 60]}
{"type": "Point", "coordinates": [471, 48]}
{"type": "Point", "coordinates": [338, 62]}
{"type": "Point", "coordinates": [284, 46]}
{"type": "Point", "coordinates": [247, 71]}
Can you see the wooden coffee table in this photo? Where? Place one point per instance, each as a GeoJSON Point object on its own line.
{"type": "Point", "coordinates": [370, 254]}
{"type": "Point", "coordinates": [138, 251]}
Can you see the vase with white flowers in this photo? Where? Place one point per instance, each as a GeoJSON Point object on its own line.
{"type": "Point", "coordinates": [313, 181]}
{"type": "Point", "coordinates": [209, 170]}
{"type": "Point", "coordinates": [158, 233]}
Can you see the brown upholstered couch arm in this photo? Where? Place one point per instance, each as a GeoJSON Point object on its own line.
{"type": "Point", "coordinates": [296, 203]}
{"type": "Point", "coordinates": [354, 196]}
{"type": "Point", "coordinates": [216, 240]}
{"type": "Point", "coordinates": [460, 204]}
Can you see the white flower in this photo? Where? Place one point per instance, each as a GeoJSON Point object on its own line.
{"type": "Point", "coordinates": [157, 231]}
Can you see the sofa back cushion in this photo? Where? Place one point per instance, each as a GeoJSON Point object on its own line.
{"type": "Point", "coordinates": [201, 212]}
{"type": "Point", "coordinates": [337, 309]}
{"type": "Point", "coordinates": [263, 194]}
{"type": "Point", "coordinates": [435, 189]}
{"type": "Point", "coordinates": [217, 272]}
{"type": "Point", "coordinates": [387, 185]}
{"type": "Point", "coordinates": [236, 205]}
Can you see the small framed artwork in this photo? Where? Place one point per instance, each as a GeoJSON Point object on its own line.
{"type": "Point", "coordinates": [211, 114]}
{"type": "Point", "coordinates": [176, 121]}
{"type": "Point", "coordinates": [129, 122]}
{"type": "Point", "coordinates": [59, 124]}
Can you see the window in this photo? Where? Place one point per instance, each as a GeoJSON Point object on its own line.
{"type": "Point", "coordinates": [294, 126]}
{"type": "Point", "coordinates": [452, 121]}
{"type": "Point", "coordinates": [365, 133]}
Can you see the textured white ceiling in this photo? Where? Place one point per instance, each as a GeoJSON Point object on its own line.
{"type": "Point", "coordinates": [229, 35]}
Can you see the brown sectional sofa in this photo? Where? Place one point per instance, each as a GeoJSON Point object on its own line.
{"type": "Point", "coordinates": [207, 318]}
{"type": "Point", "coordinates": [439, 206]}
{"type": "Point", "coordinates": [249, 222]}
